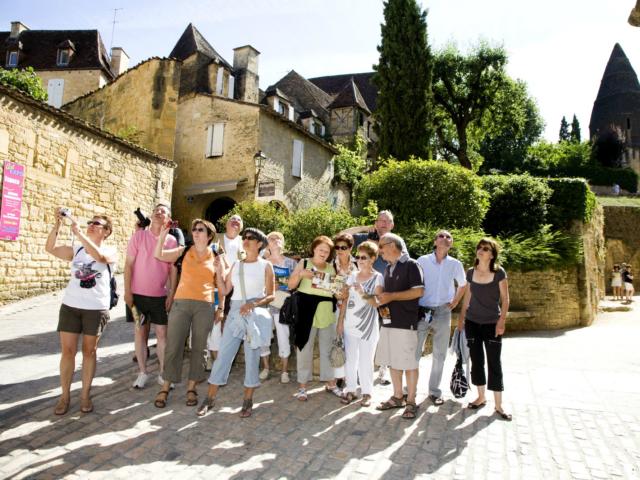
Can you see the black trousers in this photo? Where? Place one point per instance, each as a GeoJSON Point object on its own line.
{"type": "Point", "coordinates": [479, 336]}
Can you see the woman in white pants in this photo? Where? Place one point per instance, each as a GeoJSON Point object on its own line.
{"type": "Point", "coordinates": [358, 323]}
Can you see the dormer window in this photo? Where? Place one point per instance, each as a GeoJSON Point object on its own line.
{"type": "Point", "coordinates": [12, 58]}
{"type": "Point", "coordinates": [65, 52]}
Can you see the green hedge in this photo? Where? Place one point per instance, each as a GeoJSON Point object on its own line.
{"type": "Point", "coordinates": [572, 199]}
{"type": "Point", "coordinates": [518, 204]}
{"type": "Point", "coordinates": [426, 191]}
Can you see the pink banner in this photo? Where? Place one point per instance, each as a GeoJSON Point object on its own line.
{"type": "Point", "coordinates": [12, 185]}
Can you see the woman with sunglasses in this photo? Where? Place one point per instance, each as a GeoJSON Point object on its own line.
{"type": "Point", "coordinates": [253, 285]}
{"type": "Point", "coordinates": [86, 301]}
{"type": "Point", "coordinates": [483, 317]}
{"type": "Point", "coordinates": [316, 306]}
{"type": "Point", "coordinates": [192, 309]}
{"type": "Point", "coordinates": [358, 322]}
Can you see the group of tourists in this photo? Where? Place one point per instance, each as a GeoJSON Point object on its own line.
{"type": "Point", "coordinates": [222, 290]}
{"type": "Point", "coordinates": [622, 282]}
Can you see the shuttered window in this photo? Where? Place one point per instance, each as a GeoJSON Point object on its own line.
{"type": "Point", "coordinates": [215, 140]}
{"type": "Point", "coordinates": [232, 85]}
{"type": "Point", "coordinates": [219, 80]}
{"type": "Point", "coordinates": [298, 159]}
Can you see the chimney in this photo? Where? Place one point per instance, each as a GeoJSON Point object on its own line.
{"type": "Point", "coordinates": [119, 61]}
{"type": "Point", "coordinates": [245, 66]}
{"type": "Point", "coordinates": [17, 28]}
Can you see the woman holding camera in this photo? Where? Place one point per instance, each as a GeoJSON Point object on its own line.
{"type": "Point", "coordinates": [192, 309]}
{"type": "Point", "coordinates": [86, 301]}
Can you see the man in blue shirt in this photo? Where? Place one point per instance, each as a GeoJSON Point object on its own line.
{"type": "Point", "coordinates": [439, 298]}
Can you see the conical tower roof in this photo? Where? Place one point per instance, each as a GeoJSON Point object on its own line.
{"type": "Point", "coordinates": [350, 96]}
{"type": "Point", "coordinates": [192, 41]}
{"type": "Point", "coordinates": [618, 99]}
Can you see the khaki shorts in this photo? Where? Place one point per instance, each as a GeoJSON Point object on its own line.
{"type": "Point", "coordinates": [397, 348]}
{"type": "Point", "coordinates": [79, 320]}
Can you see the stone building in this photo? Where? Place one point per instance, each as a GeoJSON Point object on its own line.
{"type": "Point", "coordinates": [70, 163]}
{"type": "Point", "coordinates": [618, 105]}
{"type": "Point", "coordinates": [205, 113]}
{"type": "Point", "coordinates": [69, 62]}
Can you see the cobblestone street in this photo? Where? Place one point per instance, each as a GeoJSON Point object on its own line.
{"type": "Point", "coordinates": [574, 394]}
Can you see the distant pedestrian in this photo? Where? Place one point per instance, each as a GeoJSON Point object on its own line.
{"type": "Point", "coordinates": [616, 282]}
{"type": "Point", "coordinates": [627, 278]}
{"type": "Point", "coordinates": [483, 317]}
{"type": "Point", "coordinates": [86, 301]}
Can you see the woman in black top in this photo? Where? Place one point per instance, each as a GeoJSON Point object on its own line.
{"type": "Point", "coordinates": [483, 317]}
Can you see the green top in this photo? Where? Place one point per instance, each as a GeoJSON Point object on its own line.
{"type": "Point", "coordinates": [324, 313]}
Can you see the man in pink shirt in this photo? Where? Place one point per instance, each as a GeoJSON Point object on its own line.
{"type": "Point", "coordinates": [147, 286]}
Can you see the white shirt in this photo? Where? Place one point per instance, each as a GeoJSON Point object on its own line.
{"type": "Point", "coordinates": [89, 287]}
{"type": "Point", "coordinates": [361, 318]}
{"type": "Point", "coordinates": [438, 279]}
{"type": "Point", "coordinates": [231, 248]}
{"type": "Point", "coordinates": [254, 279]}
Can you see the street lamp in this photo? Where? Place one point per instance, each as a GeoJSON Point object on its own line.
{"type": "Point", "coordinates": [259, 160]}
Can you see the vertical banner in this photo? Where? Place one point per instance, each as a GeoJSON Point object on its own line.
{"type": "Point", "coordinates": [12, 185]}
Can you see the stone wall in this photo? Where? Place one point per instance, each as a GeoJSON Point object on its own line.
{"type": "Point", "coordinates": [76, 82]}
{"type": "Point", "coordinates": [144, 99]}
{"type": "Point", "coordinates": [622, 233]}
{"type": "Point", "coordinates": [68, 163]}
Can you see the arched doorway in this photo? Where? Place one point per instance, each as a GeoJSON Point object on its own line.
{"type": "Point", "coordinates": [218, 209]}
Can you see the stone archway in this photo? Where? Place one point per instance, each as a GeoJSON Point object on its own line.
{"type": "Point", "coordinates": [218, 209]}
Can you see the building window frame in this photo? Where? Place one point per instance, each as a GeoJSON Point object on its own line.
{"type": "Point", "coordinates": [63, 57]}
{"type": "Point", "coordinates": [12, 58]}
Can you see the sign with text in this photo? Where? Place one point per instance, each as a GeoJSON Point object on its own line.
{"type": "Point", "coordinates": [12, 185]}
{"type": "Point", "coordinates": [267, 189]}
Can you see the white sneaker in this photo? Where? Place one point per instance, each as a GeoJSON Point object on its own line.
{"type": "Point", "coordinates": [284, 377]}
{"type": "Point", "coordinates": [264, 374]}
{"type": "Point", "coordinates": [161, 382]}
{"type": "Point", "coordinates": [141, 380]}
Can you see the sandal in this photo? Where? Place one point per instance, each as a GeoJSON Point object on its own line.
{"type": "Point", "coordinates": [476, 406]}
{"type": "Point", "coordinates": [437, 401]}
{"type": "Point", "coordinates": [161, 399]}
{"type": "Point", "coordinates": [348, 398]}
{"type": "Point", "coordinates": [410, 411]}
{"type": "Point", "coordinates": [504, 416]}
{"type": "Point", "coordinates": [86, 406]}
{"type": "Point", "coordinates": [335, 390]}
{"type": "Point", "coordinates": [62, 406]}
{"type": "Point", "coordinates": [192, 398]}
{"type": "Point", "coordinates": [366, 400]}
{"type": "Point", "coordinates": [393, 402]}
{"type": "Point", "coordinates": [247, 407]}
{"type": "Point", "coordinates": [206, 405]}
{"type": "Point", "coordinates": [301, 395]}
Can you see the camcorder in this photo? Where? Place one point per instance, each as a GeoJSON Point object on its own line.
{"type": "Point", "coordinates": [143, 220]}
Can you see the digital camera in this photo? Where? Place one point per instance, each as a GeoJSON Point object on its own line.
{"type": "Point", "coordinates": [143, 220]}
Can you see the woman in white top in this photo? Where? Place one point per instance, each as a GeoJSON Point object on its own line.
{"type": "Point", "coordinates": [358, 323]}
{"type": "Point", "coordinates": [86, 301]}
{"type": "Point", "coordinates": [253, 284]}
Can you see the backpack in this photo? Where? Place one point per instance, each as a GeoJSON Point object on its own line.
{"type": "Point", "coordinates": [459, 384]}
{"type": "Point", "coordinates": [113, 286]}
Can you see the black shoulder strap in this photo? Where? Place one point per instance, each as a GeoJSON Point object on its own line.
{"type": "Point", "coordinates": [178, 262]}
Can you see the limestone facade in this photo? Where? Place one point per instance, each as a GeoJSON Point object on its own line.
{"type": "Point", "coordinates": [76, 82]}
{"type": "Point", "coordinates": [73, 164]}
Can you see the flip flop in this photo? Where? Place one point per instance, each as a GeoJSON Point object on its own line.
{"type": "Point", "coordinates": [206, 405]}
{"type": "Point", "coordinates": [86, 406]}
{"type": "Point", "coordinates": [504, 416]}
{"type": "Point", "coordinates": [62, 407]}
{"type": "Point", "coordinates": [247, 408]}
{"type": "Point", "coordinates": [473, 406]}
{"type": "Point", "coordinates": [437, 401]}
{"type": "Point", "coordinates": [301, 395]}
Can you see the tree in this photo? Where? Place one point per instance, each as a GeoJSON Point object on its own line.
{"type": "Point", "coordinates": [464, 87]}
{"type": "Point", "coordinates": [403, 77]}
{"type": "Point", "coordinates": [24, 80]}
{"type": "Point", "coordinates": [575, 130]}
{"type": "Point", "coordinates": [564, 136]}
{"type": "Point", "coordinates": [349, 165]}
{"type": "Point", "coordinates": [511, 125]}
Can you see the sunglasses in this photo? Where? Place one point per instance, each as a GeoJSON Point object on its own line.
{"type": "Point", "coordinates": [363, 258]}
{"type": "Point", "coordinates": [343, 247]}
{"type": "Point", "coordinates": [199, 229]}
{"type": "Point", "coordinates": [249, 237]}
{"type": "Point", "coordinates": [444, 235]}
{"type": "Point", "coordinates": [95, 223]}
{"type": "Point", "coordinates": [483, 248]}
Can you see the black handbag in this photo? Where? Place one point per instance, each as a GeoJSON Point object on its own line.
{"type": "Point", "coordinates": [459, 384]}
{"type": "Point", "coordinates": [289, 311]}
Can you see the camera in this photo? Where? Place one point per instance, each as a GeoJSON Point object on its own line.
{"type": "Point", "coordinates": [65, 212]}
{"type": "Point", "coordinates": [143, 220]}
{"type": "Point", "coordinates": [373, 235]}
{"type": "Point", "coordinates": [172, 224]}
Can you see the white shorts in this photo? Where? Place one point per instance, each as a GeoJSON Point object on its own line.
{"type": "Point", "coordinates": [616, 282]}
{"type": "Point", "coordinates": [628, 286]}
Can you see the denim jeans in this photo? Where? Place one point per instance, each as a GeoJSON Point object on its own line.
{"type": "Point", "coordinates": [441, 326]}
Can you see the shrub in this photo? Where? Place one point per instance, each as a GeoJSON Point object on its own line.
{"type": "Point", "coordinates": [24, 80]}
{"type": "Point", "coordinates": [518, 204]}
{"type": "Point", "coordinates": [265, 216]}
{"type": "Point", "coordinates": [572, 199]}
{"type": "Point", "coordinates": [426, 191]}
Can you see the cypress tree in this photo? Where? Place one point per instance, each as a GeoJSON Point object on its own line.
{"type": "Point", "coordinates": [576, 137]}
{"type": "Point", "coordinates": [564, 131]}
{"type": "Point", "coordinates": [403, 78]}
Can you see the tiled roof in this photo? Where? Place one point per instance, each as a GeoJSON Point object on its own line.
{"type": "Point", "coordinates": [304, 94]}
{"type": "Point", "coordinates": [334, 84]}
{"type": "Point", "coordinates": [192, 41]}
{"type": "Point", "coordinates": [40, 49]}
{"type": "Point", "coordinates": [350, 96]}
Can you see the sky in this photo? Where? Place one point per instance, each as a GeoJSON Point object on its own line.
{"type": "Point", "coordinates": [559, 48]}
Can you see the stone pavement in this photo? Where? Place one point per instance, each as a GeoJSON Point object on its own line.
{"type": "Point", "coordinates": [574, 394]}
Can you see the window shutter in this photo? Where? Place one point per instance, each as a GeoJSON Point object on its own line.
{"type": "Point", "coordinates": [298, 157]}
{"type": "Point", "coordinates": [322, 130]}
{"type": "Point", "coordinates": [276, 104]}
{"type": "Point", "coordinates": [215, 140]}
{"type": "Point", "coordinates": [232, 85]}
{"type": "Point", "coordinates": [219, 79]}
{"type": "Point", "coordinates": [55, 89]}
{"type": "Point", "coordinates": [292, 114]}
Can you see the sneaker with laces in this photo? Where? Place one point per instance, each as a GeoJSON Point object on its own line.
{"type": "Point", "coordinates": [284, 377]}
{"type": "Point", "coordinates": [141, 380]}
{"type": "Point", "coordinates": [264, 374]}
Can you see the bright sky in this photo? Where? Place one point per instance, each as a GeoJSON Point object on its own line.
{"type": "Point", "coordinates": [559, 47]}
